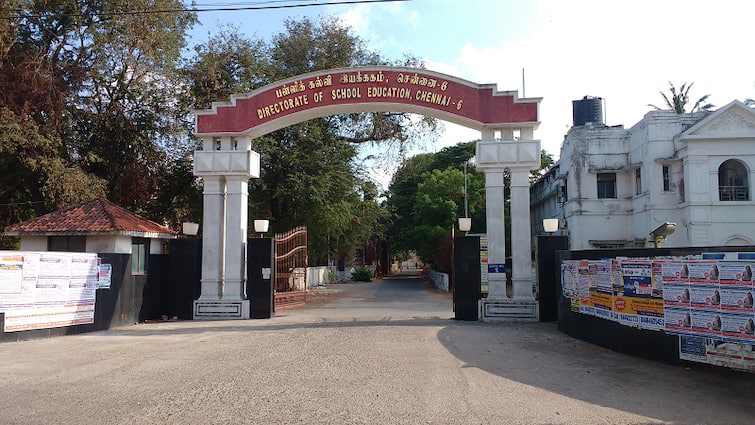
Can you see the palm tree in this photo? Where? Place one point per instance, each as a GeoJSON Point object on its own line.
{"type": "Point", "coordinates": [678, 101]}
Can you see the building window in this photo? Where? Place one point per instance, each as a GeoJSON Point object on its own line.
{"type": "Point", "coordinates": [666, 179]}
{"type": "Point", "coordinates": [606, 185]}
{"type": "Point", "coordinates": [139, 255]}
{"type": "Point", "coordinates": [638, 181]}
{"type": "Point", "coordinates": [733, 182]}
{"type": "Point", "coordinates": [67, 243]}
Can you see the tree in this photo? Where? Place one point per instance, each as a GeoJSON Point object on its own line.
{"type": "Point", "coordinates": [679, 100]}
{"type": "Point", "coordinates": [86, 84]}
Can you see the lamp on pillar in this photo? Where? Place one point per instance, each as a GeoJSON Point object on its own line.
{"type": "Point", "coordinates": [548, 269]}
{"type": "Point", "coordinates": [465, 223]}
{"type": "Point", "coordinates": [190, 229]}
{"type": "Point", "coordinates": [261, 226]}
{"type": "Point", "coordinates": [550, 225]}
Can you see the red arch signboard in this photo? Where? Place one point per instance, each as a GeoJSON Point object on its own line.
{"type": "Point", "coordinates": [369, 89]}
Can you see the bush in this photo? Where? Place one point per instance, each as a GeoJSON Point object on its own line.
{"type": "Point", "coordinates": [362, 274]}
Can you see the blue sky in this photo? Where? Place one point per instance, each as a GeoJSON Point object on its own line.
{"type": "Point", "coordinates": [624, 52]}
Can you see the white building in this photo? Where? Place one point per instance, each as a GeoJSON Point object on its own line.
{"type": "Point", "coordinates": [615, 185]}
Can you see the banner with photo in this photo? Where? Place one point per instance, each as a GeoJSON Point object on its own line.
{"type": "Point", "coordinates": [707, 298]}
{"type": "Point", "coordinates": [710, 299]}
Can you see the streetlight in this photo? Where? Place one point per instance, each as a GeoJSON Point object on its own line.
{"type": "Point", "coordinates": [190, 229]}
{"type": "Point", "coordinates": [261, 226]}
{"type": "Point", "coordinates": [550, 225]}
{"type": "Point", "coordinates": [465, 223]}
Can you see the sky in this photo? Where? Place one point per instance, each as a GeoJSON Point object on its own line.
{"type": "Point", "coordinates": [625, 52]}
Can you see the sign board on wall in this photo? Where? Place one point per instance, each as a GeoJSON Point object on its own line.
{"type": "Point", "coordinates": [41, 290]}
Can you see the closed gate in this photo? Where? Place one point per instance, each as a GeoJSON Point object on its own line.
{"type": "Point", "coordinates": [291, 269]}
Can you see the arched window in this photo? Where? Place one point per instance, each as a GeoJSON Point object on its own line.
{"type": "Point", "coordinates": [733, 181]}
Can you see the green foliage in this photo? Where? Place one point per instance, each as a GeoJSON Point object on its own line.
{"type": "Point", "coordinates": [679, 100]}
{"type": "Point", "coordinates": [361, 274]}
{"type": "Point", "coordinates": [85, 104]}
{"type": "Point", "coordinates": [430, 245]}
{"type": "Point", "coordinates": [309, 171]}
{"type": "Point", "coordinates": [426, 199]}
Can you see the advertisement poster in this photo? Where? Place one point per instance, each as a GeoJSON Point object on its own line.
{"type": "Point", "coordinates": [717, 352]}
{"type": "Point", "coordinates": [484, 264]}
{"type": "Point", "coordinates": [601, 289]}
{"type": "Point", "coordinates": [637, 304]}
{"type": "Point", "coordinates": [735, 273]}
{"type": "Point", "coordinates": [11, 274]}
{"type": "Point", "coordinates": [57, 289]}
{"type": "Point", "coordinates": [569, 270]}
{"type": "Point", "coordinates": [704, 272]}
{"type": "Point", "coordinates": [105, 276]}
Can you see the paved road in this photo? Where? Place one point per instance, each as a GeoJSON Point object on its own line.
{"type": "Point", "coordinates": [361, 353]}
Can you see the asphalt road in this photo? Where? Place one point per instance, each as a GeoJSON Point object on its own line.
{"type": "Point", "coordinates": [385, 352]}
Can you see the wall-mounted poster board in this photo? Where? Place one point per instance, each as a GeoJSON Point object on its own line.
{"type": "Point", "coordinates": [40, 290]}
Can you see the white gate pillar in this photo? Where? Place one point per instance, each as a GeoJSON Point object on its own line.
{"type": "Point", "coordinates": [225, 164]}
{"type": "Point", "coordinates": [493, 157]}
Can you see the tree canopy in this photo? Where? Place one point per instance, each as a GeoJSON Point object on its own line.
{"type": "Point", "coordinates": [426, 198]}
{"type": "Point", "coordinates": [679, 100]}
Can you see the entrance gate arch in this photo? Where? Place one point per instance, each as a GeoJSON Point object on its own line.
{"type": "Point", "coordinates": [227, 161]}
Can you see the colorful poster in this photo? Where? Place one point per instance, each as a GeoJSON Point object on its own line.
{"type": "Point", "coordinates": [105, 276]}
{"type": "Point", "coordinates": [737, 298]}
{"type": "Point", "coordinates": [738, 327]}
{"type": "Point", "coordinates": [674, 271]}
{"type": "Point", "coordinates": [637, 278]}
{"type": "Point", "coordinates": [704, 322]}
{"type": "Point", "coordinates": [717, 352]}
{"type": "Point", "coordinates": [637, 303]}
{"type": "Point", "coordinates": [11, 274]}
{"type": "Point", "coordinates": [735, 273]}
{"type": "Point", "coordinates": [705, 296]}
{"type": "Point", "coordinates": [705, 272]}
{"type": "Point", "coordinates": [676, 295]}
{"type": "Point", "coordinates": [678, 320]}
{"type": "Point", "coordinates": [484, 265]}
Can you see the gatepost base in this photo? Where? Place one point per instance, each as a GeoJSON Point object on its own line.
{"type": "Point", "coordinates": [508, 310]}
{"type": "Point", "coordinates": [221, 310]}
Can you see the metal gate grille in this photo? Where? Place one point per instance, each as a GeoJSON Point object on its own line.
{"type": "Point", "coordinates": [291, 269]}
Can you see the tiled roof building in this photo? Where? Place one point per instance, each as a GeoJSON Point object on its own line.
{"type": "Point", "coordinates": [95, 217]}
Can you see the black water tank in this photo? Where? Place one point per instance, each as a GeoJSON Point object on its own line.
{"type": "Point", "coordinates": [587, 110]}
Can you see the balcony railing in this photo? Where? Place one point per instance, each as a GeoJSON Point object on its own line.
{"type": "Point", "coordinates": [733, 193]}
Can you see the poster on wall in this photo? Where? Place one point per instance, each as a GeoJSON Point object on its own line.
{"type": "Point", "coordinates": [11, 274]}
{"type": "Point", "coordinates": [57, 289]}
{"type": "Point", "coordinates": [484, 265]}
{"type": "Point", "coordinates": [635, 302]}
{"type": "Point", "coordinates": [717, 352]}
{"type": "Point", "coordinates": [715, 301]}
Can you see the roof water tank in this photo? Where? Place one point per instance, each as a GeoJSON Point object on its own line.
{"type": "Point", "coordinates": [589, 109]}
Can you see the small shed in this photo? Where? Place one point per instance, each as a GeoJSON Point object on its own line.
{"type": "Point", "coordinates": [121, 239]}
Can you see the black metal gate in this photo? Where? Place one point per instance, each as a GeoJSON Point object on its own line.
{"type": "Point", "coordinates": [291, 268]}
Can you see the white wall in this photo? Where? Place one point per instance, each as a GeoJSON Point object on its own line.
{"type": "Point", "coordinates": [693, 146]}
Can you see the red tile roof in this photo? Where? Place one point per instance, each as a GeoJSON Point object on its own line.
{"type": "Point", "coordinates": [95, 217]}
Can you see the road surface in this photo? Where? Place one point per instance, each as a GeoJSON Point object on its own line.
{"type": "Point", "coordinates": [385, 352]}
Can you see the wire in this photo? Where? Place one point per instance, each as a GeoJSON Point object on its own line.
{"type": "Point", "coordinates": [269, 5]}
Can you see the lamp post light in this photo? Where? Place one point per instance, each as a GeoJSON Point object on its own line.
{"type": "Point", "coordinates": [261, 226]}
{"type": "Point", "coordinates": [465, 223]}
{"type": "Point", "coordinates": [190, 229]}
{"type": "Point", "coordinates": [550, 225]}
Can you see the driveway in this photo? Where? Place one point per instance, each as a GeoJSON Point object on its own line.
{"type": "Point", "coordinates": [384, 352]}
